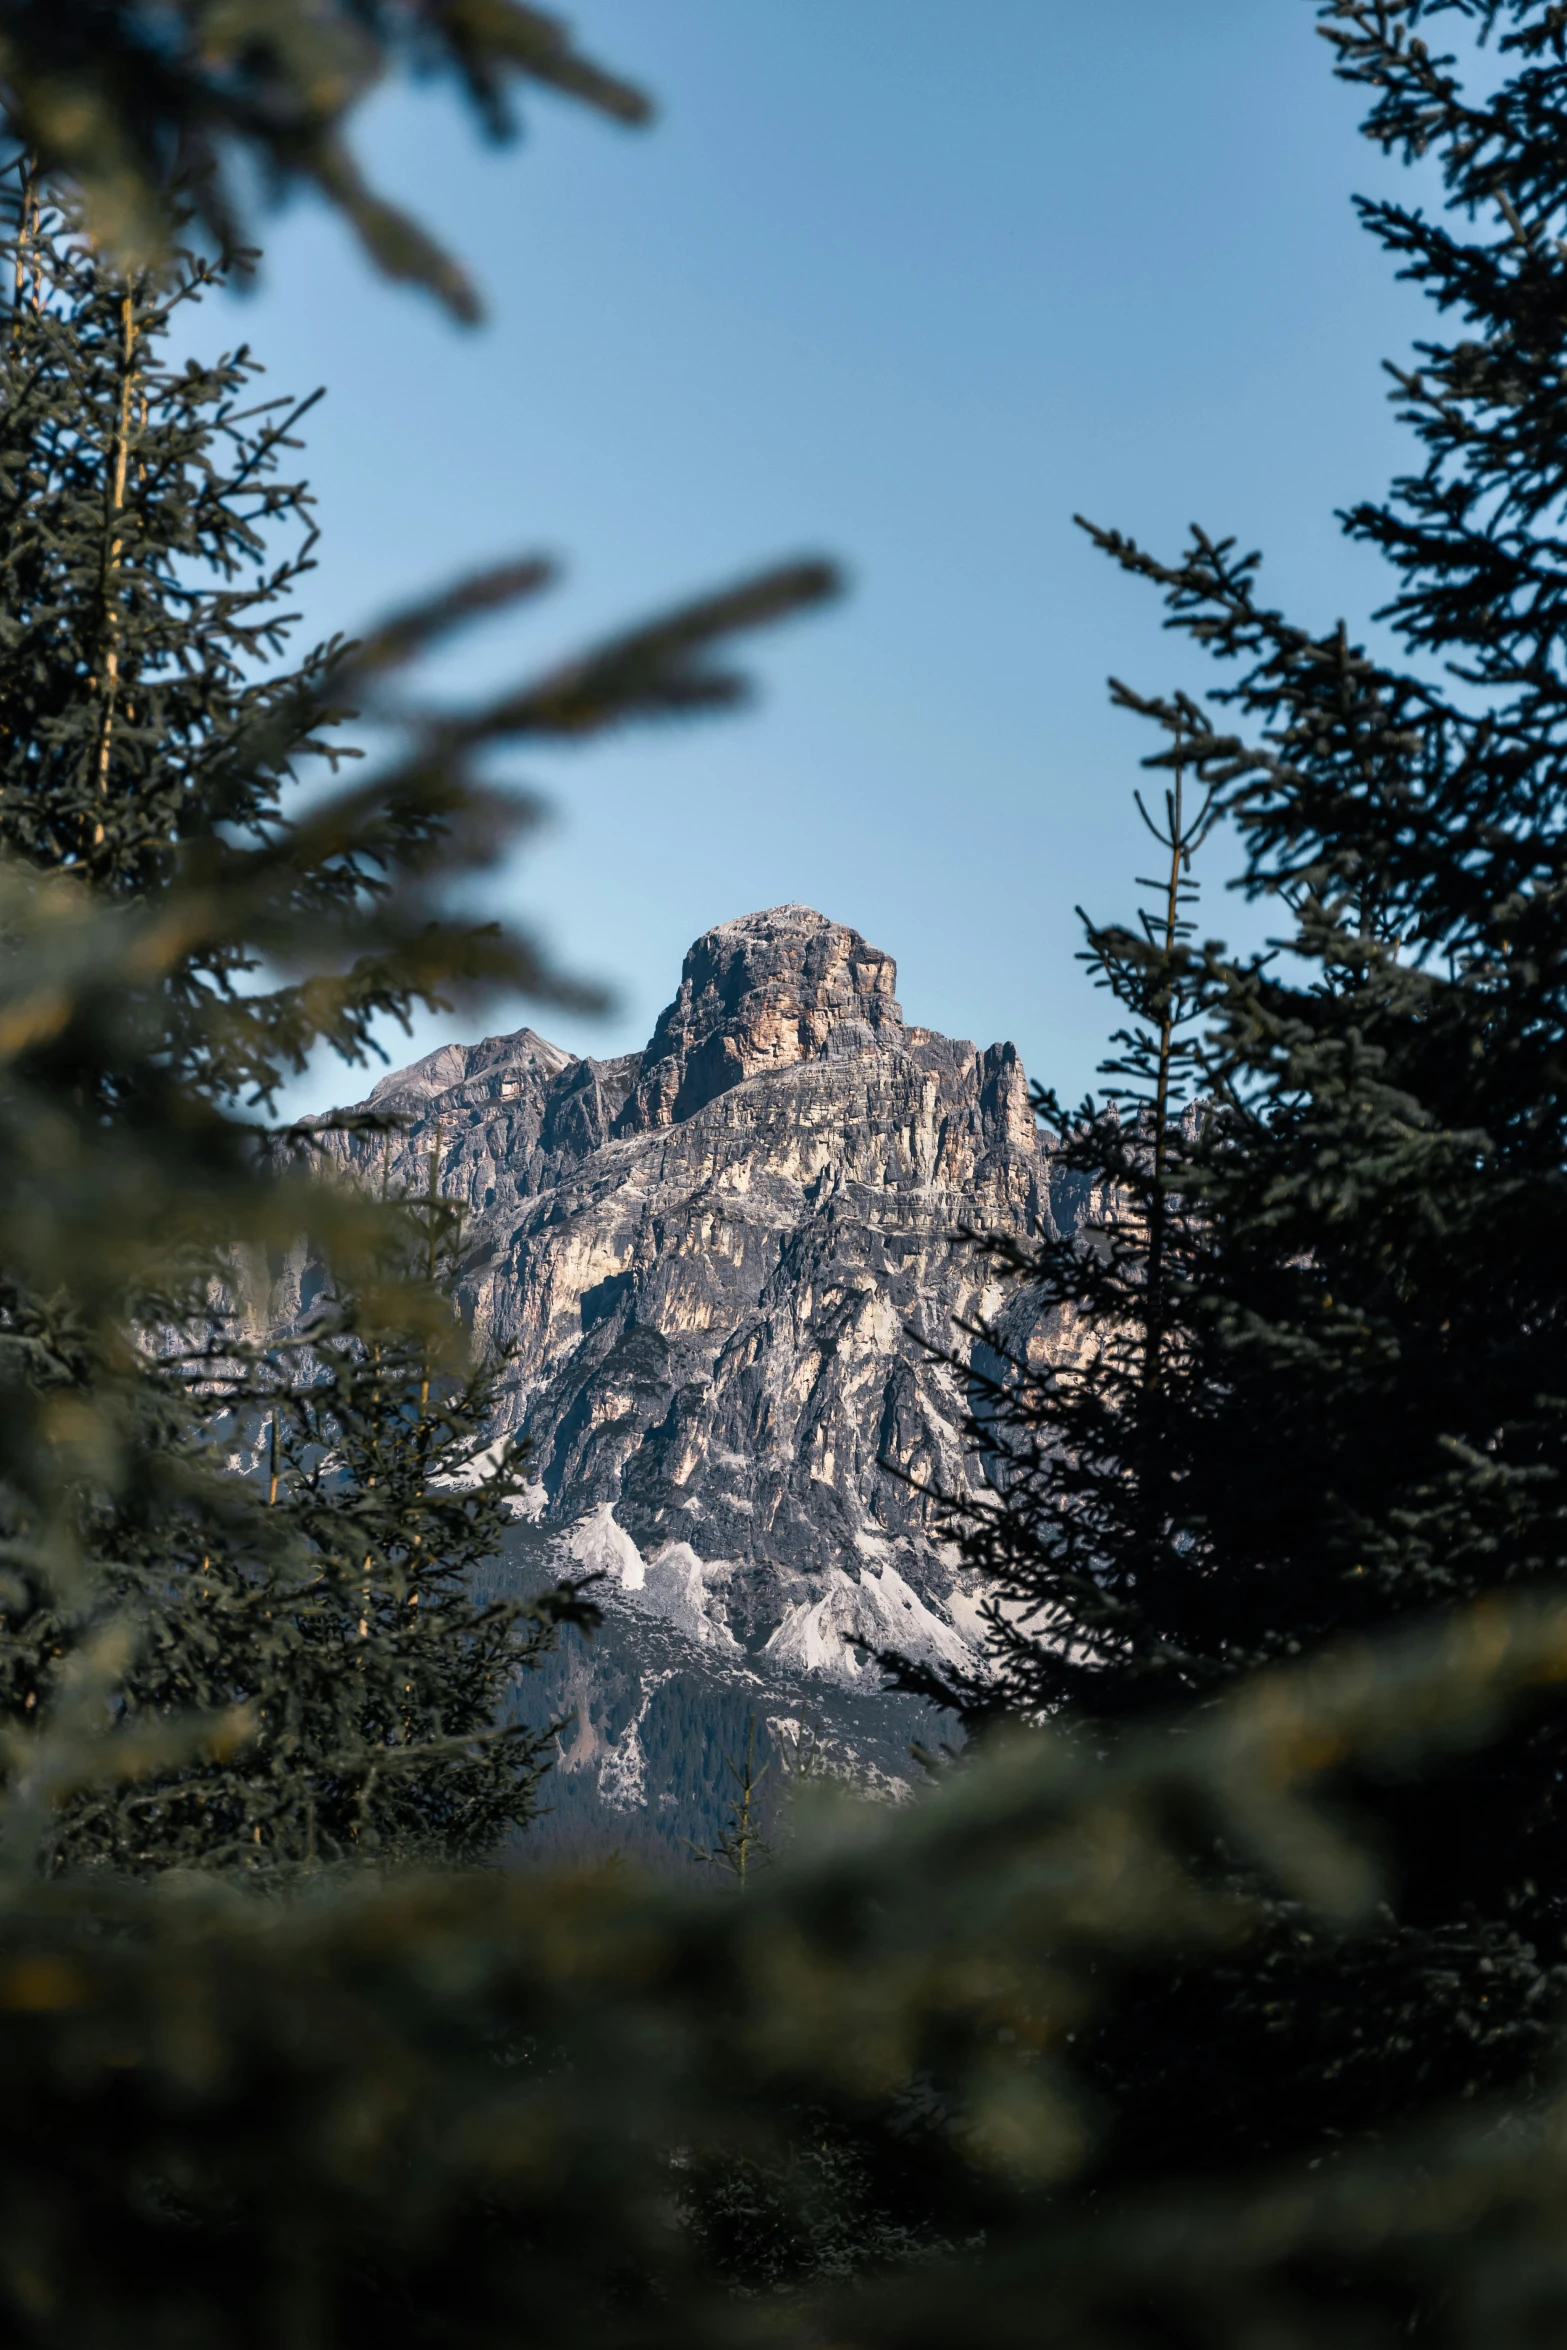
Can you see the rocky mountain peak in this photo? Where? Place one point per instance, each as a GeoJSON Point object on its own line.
{"type": "Point", "coordinates": [500, 1065]}
{"type": "Point", "coordinates": [757, 995]}
{"type": "Point", "coordinates": [732, 1279]}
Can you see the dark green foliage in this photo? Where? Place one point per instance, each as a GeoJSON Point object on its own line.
{"type": "Point", "coordinates": [846, 2197]}
{"type": "Point", "coordinates": [1034, 2014]}
{"type": "Point", "coordinates": [742, 1843]}
{"type": "Point", "coordinates": [259, 2124]}
{"type": "Point", "coordinates": [155, 881]}
{"type": "Point", "coordinates": [319, 1617]}
{"type": "Point", "coordinates": [393, 1732]}
{"type": "Point", "coordinates": [137, 717]}
{"type": "Point", "coordinates": [150, 551]}
{"type": "Point", "coordinates": [1088, 1465]}
{"type": "Point", "coordinates": [149, 737]}
{"type": "Point", "coordinates": [1361, 1411]}
{"type": "Point", "coordinates": [144, 604]}
{"type": "Point", "coordinates": [152, 109]}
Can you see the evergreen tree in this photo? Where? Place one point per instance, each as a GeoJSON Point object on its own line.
{"type": "Point", "coordinates": [140, 608]}
{"type": "Point", "coordinates": [1366, 1312]}
{"type": "Point", "coordinates": [148, 737]}
{"type": "Point", "coordinates": [248, 2126]}
{"type": "Point", "coordinates": [742, 1840]}
{"type": "Point", "coordinates": [144, 609]}
{"type": "Point", "coordinates": [393, 1735]}
{"type": "Point", "coordinates": [1086, 1452]}
{"type": "Point", "coordinates": [150, 552]}
{"type": "Point", "coordinates": [330, 1616]}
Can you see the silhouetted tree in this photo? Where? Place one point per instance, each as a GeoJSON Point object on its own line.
{"type": "Point", "coordinates": [1319, 1326]}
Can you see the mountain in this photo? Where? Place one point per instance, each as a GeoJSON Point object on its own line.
{"type": "Point", "coordinates": [716, 1265]}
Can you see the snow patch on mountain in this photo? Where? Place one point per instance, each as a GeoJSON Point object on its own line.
{"type": "Point", "coordinates": [622, 1774]}
{"type": "Point", "coordinates": [598, 1545]}
{"type": "Point", "coordinates": [877, 1606]}
{"type": "Point", "coordinates": [674, 1585]}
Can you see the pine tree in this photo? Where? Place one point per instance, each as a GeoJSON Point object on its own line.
{"type": "Point", "coordinates": [1084, 1446]}
{"type": "Point", "coordinates": [144, 608]}
{"type": "Point", "coordinates": [150, 552]}
{"type": "Point", "coordinates": [149, 737]}
{"type": "Point", "coordinates": [1369, 1292]}
{"type": "Point", "coordinates": [249, 2126]}
{"type": "Point", "coordinates": [333, 1621]}
{"type": "Point", "coordinates": [140, 608]}
{"type": "Point", "coordinates": [393, 1707]}
{"type": "Point", "coordinates": [742, 1841]}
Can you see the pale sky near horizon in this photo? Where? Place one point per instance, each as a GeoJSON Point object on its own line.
{"type": "Point", "coordinates": [911, 295]}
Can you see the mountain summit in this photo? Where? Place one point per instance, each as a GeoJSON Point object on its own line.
{"type": "Point", "coordinates": [760, 995]}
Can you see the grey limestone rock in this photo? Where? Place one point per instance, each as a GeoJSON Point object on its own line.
{"type": "Point", "coordinates": [717, 1266]}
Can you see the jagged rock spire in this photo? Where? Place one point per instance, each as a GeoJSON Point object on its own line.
{"type": "Point", "coordinates": [760, 994]}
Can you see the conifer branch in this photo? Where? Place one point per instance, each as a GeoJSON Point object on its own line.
{"type": "Point", "coordinates": [233, 94]}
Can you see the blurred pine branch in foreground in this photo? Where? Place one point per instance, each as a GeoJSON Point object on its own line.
{"type": "Point", "coordinates": [152, 109]}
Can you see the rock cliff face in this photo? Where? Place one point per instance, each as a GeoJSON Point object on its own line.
{"type": "Point", "coordinates": [715, 1262]}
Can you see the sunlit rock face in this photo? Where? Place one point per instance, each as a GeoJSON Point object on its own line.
{"type": "Point", "coordinates": [718, 1265]}
{"type": "Point", "coordinates": [758, 996]}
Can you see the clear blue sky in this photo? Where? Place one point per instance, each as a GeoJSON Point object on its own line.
{"type": "Point", "coordinates": [908, 283]}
